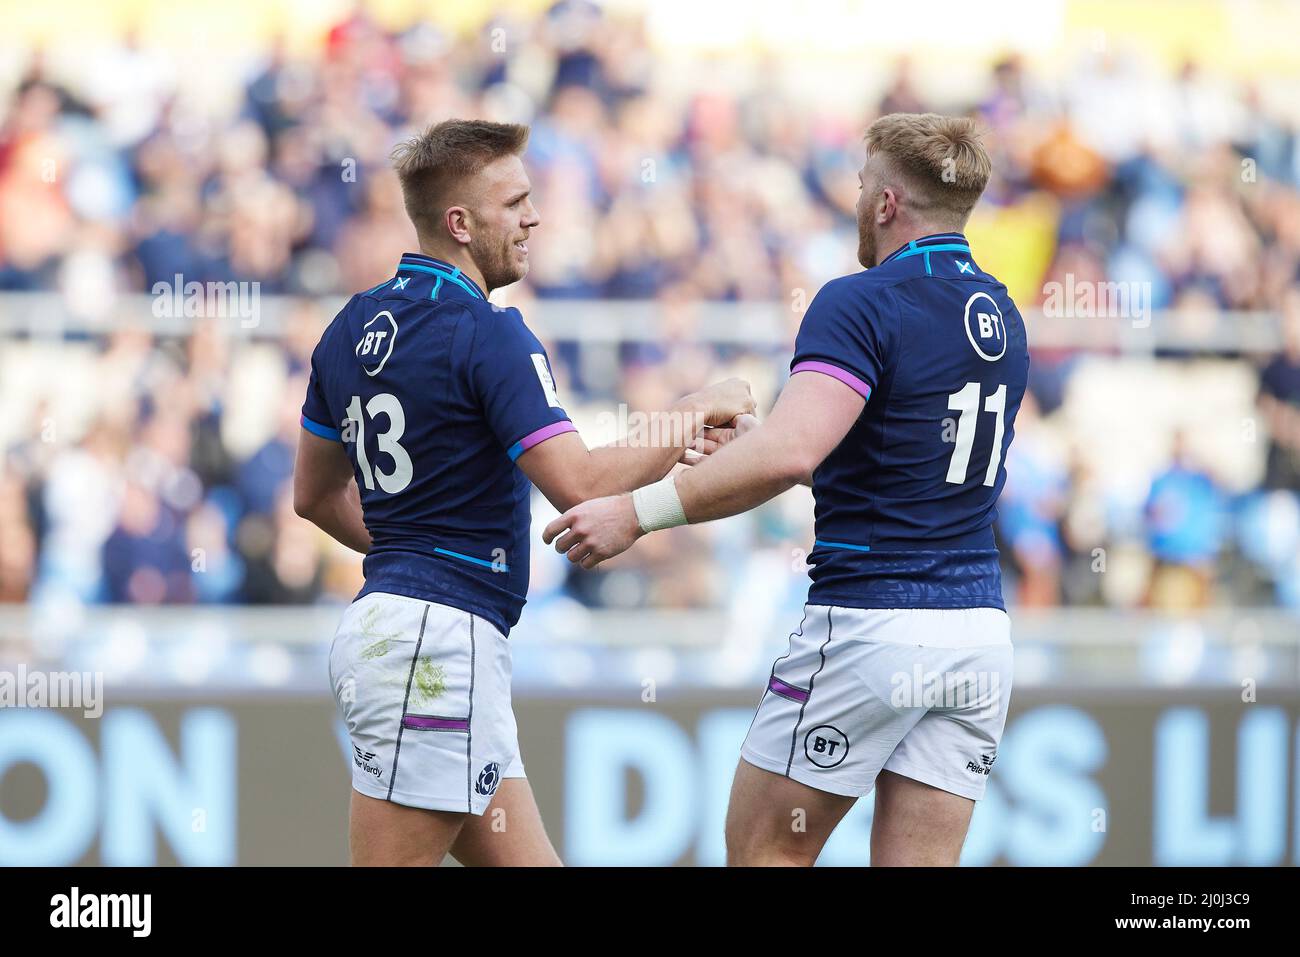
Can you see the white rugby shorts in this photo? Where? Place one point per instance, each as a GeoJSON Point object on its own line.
{"type": "Point", "coordinates": [920, 692]}
{"type": "Point", "coordinates": [424, 690]}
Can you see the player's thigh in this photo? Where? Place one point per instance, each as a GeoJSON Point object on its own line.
{"type": "Point", "coordinates": [510, 834]}
{"type": "Point", "coordinates": [775, 820]}
{"type": "Point", "coordinates": [917, 824]}
{"type": "Point", "coordinates": [384, 834]}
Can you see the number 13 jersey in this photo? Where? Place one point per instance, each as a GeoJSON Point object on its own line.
{"type": "Point", "coordinates": [435, 392]}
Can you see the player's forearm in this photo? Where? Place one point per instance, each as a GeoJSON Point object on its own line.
{"type": "Point", "coordinates": [647, 453]}
{"type": "Point", "coordinates": [619, 468]}
{"type": "Point", "coordinates": [339, 516]}
{"type": "Point", "coordinates": [739, 476]}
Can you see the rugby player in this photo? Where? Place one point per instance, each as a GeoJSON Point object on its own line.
{"type": "Point", "coordinates": [899, 411]}
{"type": "Point", "coordinates": [429, 415]}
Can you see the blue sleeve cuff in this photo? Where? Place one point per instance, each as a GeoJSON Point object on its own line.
{"type": "Point", "coordinates": [324, 431]}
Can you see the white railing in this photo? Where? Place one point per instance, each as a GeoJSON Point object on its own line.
{"type": "Point", "coordinates": [269, 648]}
{"type": "Point", "coordinates": [46, 315]}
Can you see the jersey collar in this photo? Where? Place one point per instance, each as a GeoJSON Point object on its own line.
{"type": "Point", "coordinates": [446, 272]}
{"type": "Point", "coordinates": [936, 243]}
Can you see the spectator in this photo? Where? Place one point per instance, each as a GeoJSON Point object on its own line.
{"type": "Point", "coordinates": [1279, 401]}
{"type": "Point", "coordinates": [1185, 533]}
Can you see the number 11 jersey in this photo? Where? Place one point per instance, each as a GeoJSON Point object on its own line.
{"type": "Point", "coordinates": [905, 504]}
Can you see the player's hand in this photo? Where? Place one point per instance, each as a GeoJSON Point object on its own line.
{"type": "Point", "coordinates": [723, 401]}
{"type": "Point", "coordinates": [710, 440]}
{"type": "Point", "coordinates": [597, 530]}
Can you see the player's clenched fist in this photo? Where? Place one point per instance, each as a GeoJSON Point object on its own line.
{"type": "Point", "coordinates": [596, 530]}
{"type": "Point", "coordinates": [723, 401]}
{"type": "Point", "coordinates": [710, 440]}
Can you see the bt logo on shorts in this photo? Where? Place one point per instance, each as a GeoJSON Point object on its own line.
{"type": "Point", "coordinates": [985, 765]}
{"type": "Point", "coordinates": [826, 746]}
{"type": "Point", "coordinates": [488, 778]}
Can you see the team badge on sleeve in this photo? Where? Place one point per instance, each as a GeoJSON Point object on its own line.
{"type": "Point", "coordinates": [547, 381]}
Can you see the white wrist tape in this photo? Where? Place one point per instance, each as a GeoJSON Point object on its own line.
{"type": "Point", "coordinates": [657, 506]}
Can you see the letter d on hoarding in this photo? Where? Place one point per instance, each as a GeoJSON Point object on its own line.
{"type": "Point", "coordinates": [601, 747]}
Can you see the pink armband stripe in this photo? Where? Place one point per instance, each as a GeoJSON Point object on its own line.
{"type": "Point", "coordinates": [835, 372]}
{"type": "Point", "coordinates": [541, 435]}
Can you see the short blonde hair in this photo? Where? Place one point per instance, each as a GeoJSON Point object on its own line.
{"type": "Point", "coordinates": [940, 160]}
{"type": "Point", "coordinates": [432, 163]}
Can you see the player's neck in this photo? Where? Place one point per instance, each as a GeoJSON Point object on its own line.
{"type": "Point", "coordinates": [460, 258]}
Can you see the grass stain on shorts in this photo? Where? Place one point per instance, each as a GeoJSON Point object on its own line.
{"type": "Point", "coordinates": [430, 680]}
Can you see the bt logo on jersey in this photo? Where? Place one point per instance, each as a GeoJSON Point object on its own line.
{"type": "Point", "coordinates": [988, 324]}
{"type": "Point", "coordinates": [370, 340]}
{"type": "Point", "coordinates": [377, 343]}
{"type": "Point", "coordinates": [985, 327]}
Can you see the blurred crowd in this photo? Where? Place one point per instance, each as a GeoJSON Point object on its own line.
{"type": "Point", "coordinates": [648, 188]}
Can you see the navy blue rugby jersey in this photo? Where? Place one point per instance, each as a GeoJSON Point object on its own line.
{"type": "Point", "coordinates": [905, 504]}
{"type": "Point", "coordinates": [435, 392]}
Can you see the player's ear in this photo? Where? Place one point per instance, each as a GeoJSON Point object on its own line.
{"type": "Point", "coordinates": [887, 206]}
{"type": "Point", "coordinates": [457, 220]}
